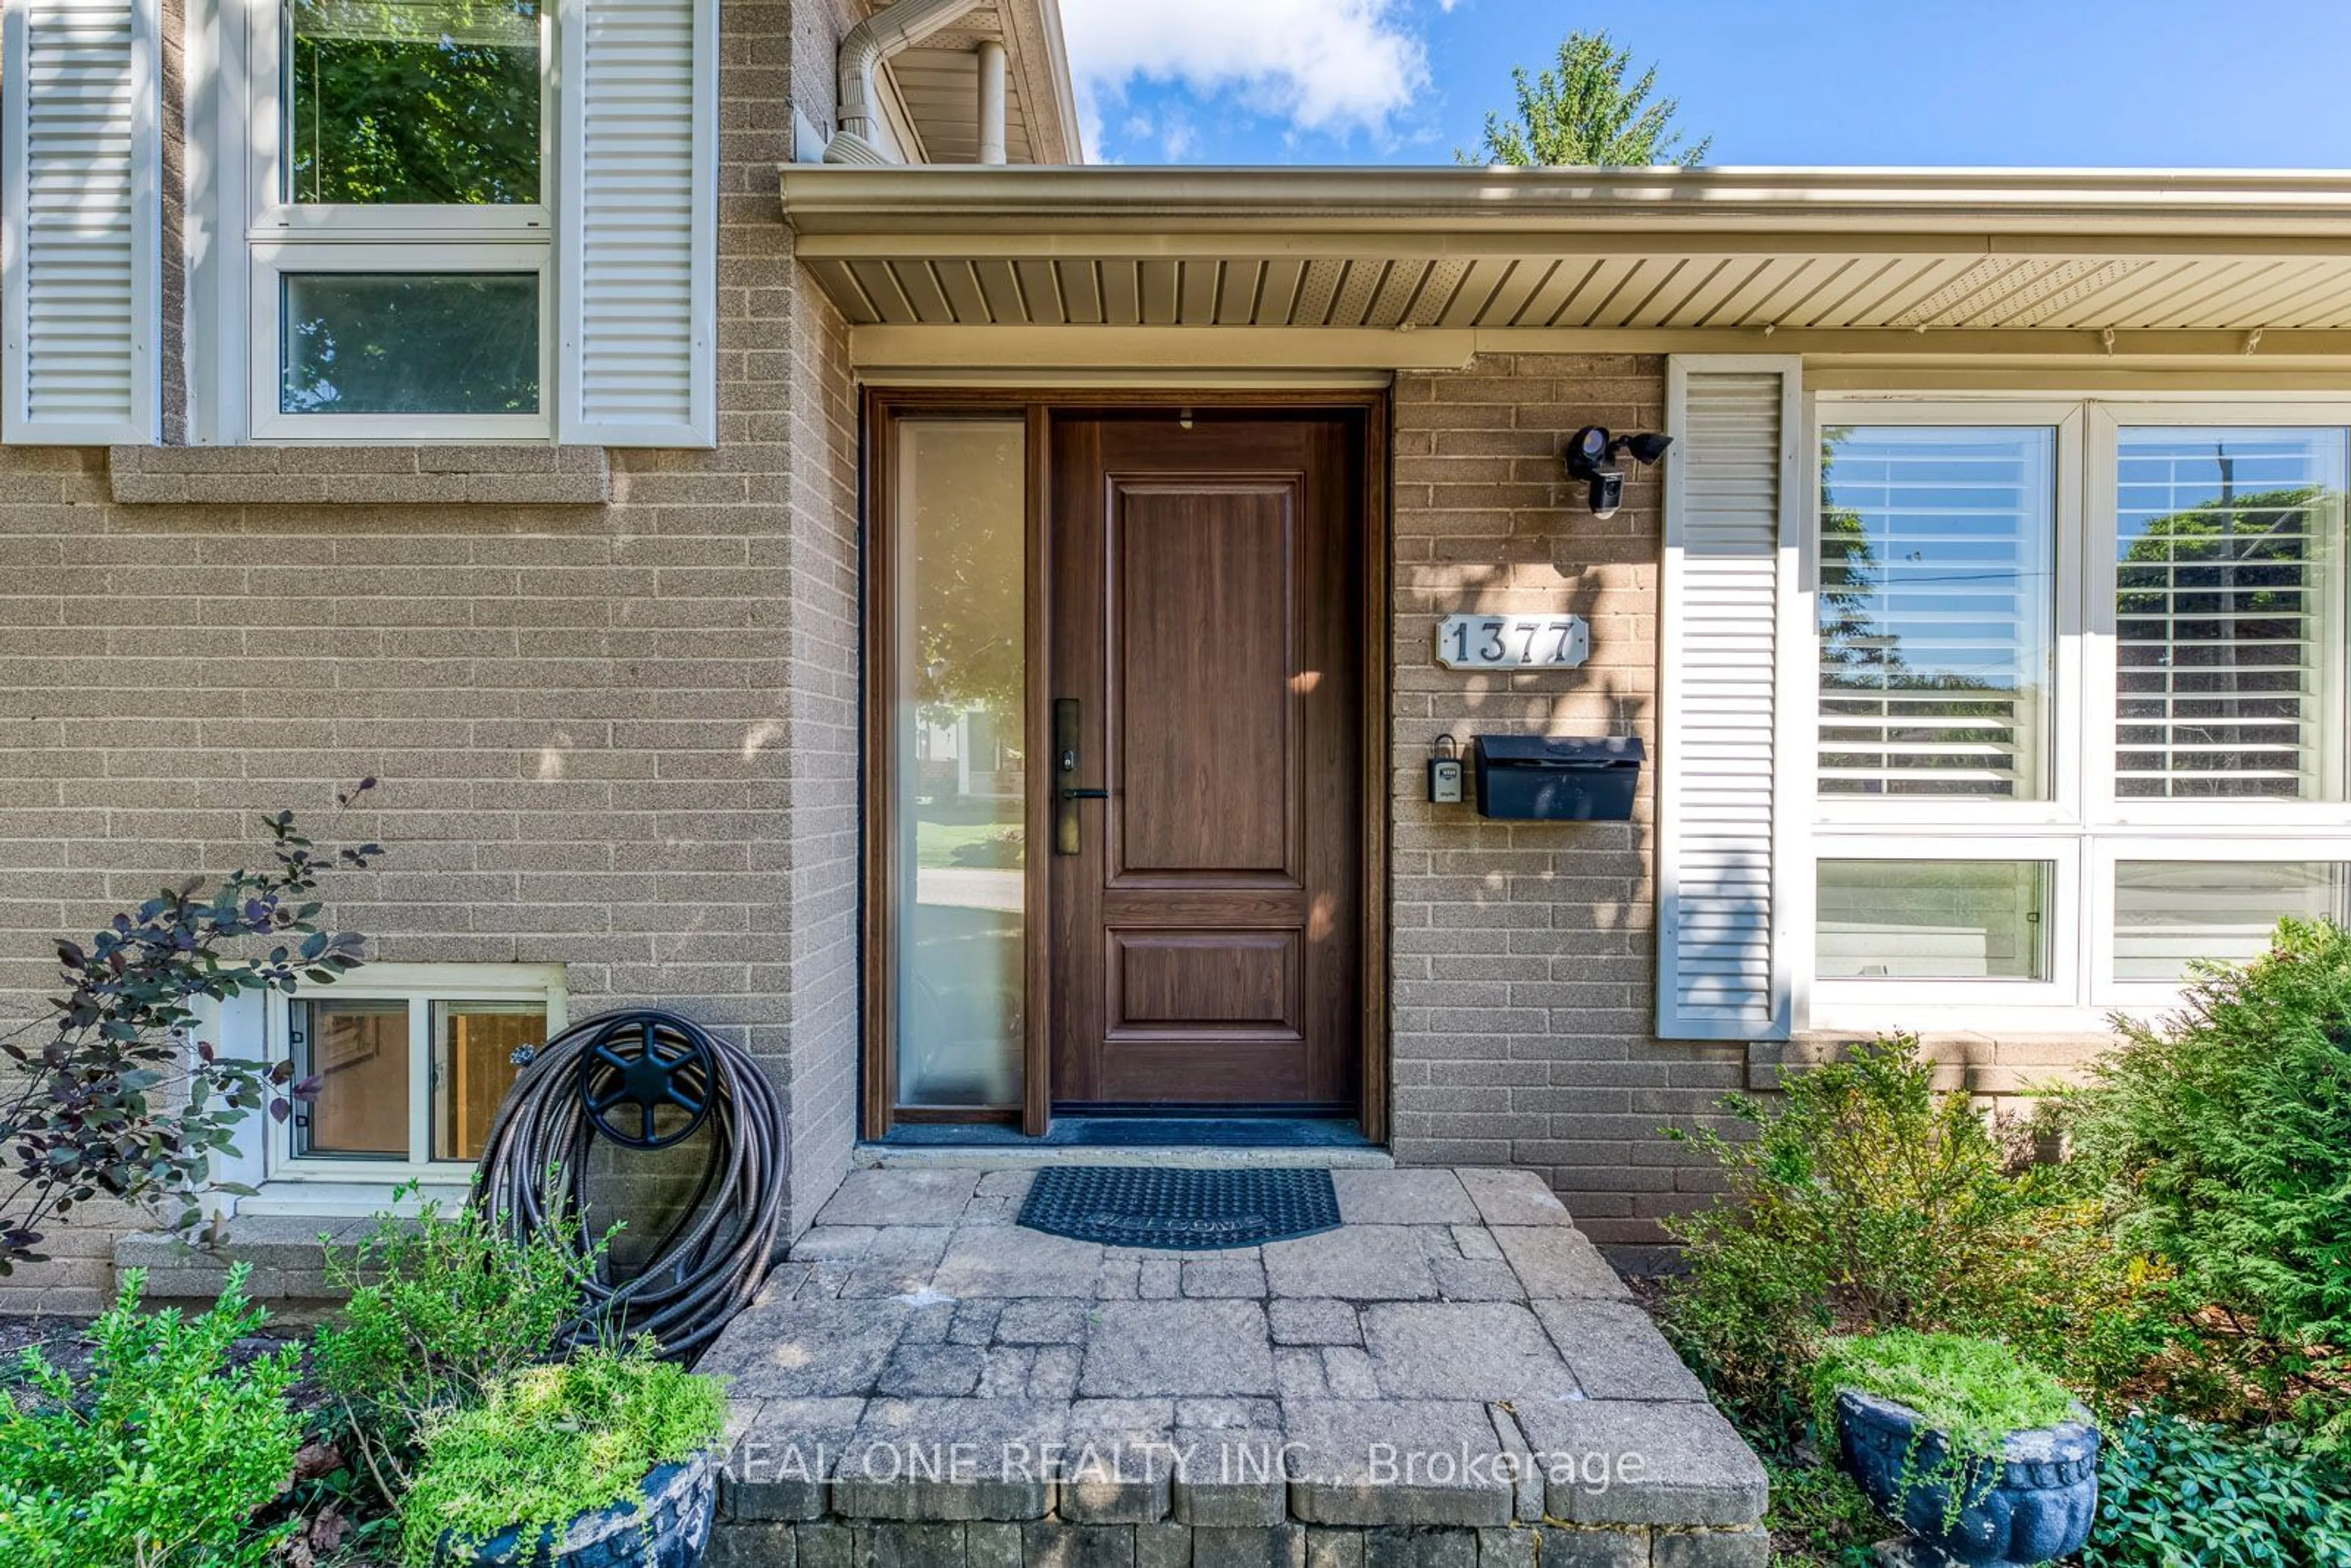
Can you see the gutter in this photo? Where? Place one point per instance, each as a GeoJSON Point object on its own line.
{"type": "Point", "coordinates": [887, 32]}
{"type": "Point", "coordinates": [1462, 204]}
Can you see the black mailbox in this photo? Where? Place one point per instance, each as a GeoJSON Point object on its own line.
{"type": "Point", "coordinates": [1538, 778]}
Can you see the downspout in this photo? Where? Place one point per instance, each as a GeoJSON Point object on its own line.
{"type": "Point", "coordinates": [991, 101]}
{"type": "Point", "coordinates": [886, 32]}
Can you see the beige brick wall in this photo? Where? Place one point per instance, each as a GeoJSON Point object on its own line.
{"type": "Point", "coordinates": [1524, 954]}
{"type": "Point", "coordinates": [621, 738]}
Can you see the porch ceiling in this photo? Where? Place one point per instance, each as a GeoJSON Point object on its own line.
{"type": "Point", "coordinates": [1578, 249]}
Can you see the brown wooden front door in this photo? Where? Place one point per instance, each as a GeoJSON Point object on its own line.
{"type": "Point", "coordinates": [1206, 940]}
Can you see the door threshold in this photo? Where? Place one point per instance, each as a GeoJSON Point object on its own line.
{"type": "Point", "coordinates": [1190, 1141]}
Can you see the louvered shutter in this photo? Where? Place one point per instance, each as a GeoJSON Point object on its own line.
{"type": "Point", "coordinates": [638, 254]}
{"type": "Point", "coordinates": [80, 222]}
{"type": "Point", "coordinates": [1733, 777]}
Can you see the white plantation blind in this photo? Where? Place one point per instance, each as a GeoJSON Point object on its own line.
{"type": "Point", "coordinates": [639, 257]}
{"type": "Point", "coordinates": [80, 222]}
{"type": "Point", "coordinates": [2229, 592]}
{"type": "Point", "coordinates": [1724, 863]}
{"type": "Point", "coordinates": [1938, 549]}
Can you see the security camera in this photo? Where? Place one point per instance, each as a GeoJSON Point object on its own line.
{"type": "Point", "coordinates": [1588, 458]}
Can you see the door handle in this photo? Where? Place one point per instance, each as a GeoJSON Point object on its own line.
{"type": "Point", "coordinates": [1066, 793]}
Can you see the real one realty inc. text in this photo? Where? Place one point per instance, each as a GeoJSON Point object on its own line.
{"type": "Point", "coordinates": [1208, 1462]}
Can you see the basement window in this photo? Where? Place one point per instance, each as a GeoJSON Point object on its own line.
{"type": "Point", "coordinates": [410, 1064]}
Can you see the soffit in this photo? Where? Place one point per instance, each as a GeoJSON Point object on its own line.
{"type": "Point", "coordinates": [935, 85]}
{"type": "Point", "coordinates": [1485, 249]}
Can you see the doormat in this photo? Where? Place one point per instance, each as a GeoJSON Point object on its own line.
{"type": "Point", "coordinates": [1185, 1210]}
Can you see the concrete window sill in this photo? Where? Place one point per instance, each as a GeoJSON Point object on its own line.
{"type": "Point", "coordinates": [1992, 1062]}
{"type": "Point", "coordinates": [287, 1251]}
{"type": "Point", "coordinates": [360, 476]}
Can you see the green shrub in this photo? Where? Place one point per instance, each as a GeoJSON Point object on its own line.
{"type": "Point", "coordinates": [1820, 1517]}
{"type": "Point", "coordinates": [163, 1455]}
{"type": "Point", "coordinates": [2182, 1494]}
{"type": "Point", "coordinates": [441, 1307]}
{"type": "Point", "coordinates": [549, 1442]}
{"type": "Point", "coordinates": [1868, 1200]}
{"type": "Point", "coordinates": [2228, 1128]}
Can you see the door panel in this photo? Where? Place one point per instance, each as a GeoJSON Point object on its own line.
{"type": "Point", "coordinates": [1205, 933]}
{"type": "Point", "coordinates": [1203, 737]}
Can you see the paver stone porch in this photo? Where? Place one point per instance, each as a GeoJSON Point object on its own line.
{"type": "Point", "coordinates": [1454, 1378]}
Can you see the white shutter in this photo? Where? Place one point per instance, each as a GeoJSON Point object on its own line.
{"type": "Point", "coordinates": [1732, 780]}
{"type": "Point", "coordinates": [80, 222]}
{"type": "Point", "coordinates": [638, 221]}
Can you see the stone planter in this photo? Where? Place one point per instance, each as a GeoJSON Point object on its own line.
{"type": "Point", "coordinates": [667, 1527]}
{"type": "Point", "coordinates": [2033, 1505]}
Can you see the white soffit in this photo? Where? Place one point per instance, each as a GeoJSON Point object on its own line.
{"type": "Point", "coordinates": [935, 85]}
{"type": "Point", "coordinates": [1814, 250]}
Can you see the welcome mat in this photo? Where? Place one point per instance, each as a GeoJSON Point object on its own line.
{"type": "Point", "coordinates": [1185, 1210]}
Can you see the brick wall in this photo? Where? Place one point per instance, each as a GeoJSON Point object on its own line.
{"type": "Point", "coordinates": [1524, 954]}
{"type": "Point", "coordinates": [621, 737]}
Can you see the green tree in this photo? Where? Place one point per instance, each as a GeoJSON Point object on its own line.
{"type": "Point", "coordinates": [1584, 113]}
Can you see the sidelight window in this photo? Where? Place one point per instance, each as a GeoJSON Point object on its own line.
{"type": "Point", "coordinates": [959, 673]}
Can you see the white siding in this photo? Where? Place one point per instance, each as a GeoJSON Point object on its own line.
{"type": "Point", "coordinates": [1724, 809]}
{"type": "Point", "coordinates": [639, 222]}
{"type": "Point", "coordinates": [80, 222]}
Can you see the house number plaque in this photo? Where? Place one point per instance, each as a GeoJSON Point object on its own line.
{"type": "Point", "coordinates": [1468, 642]}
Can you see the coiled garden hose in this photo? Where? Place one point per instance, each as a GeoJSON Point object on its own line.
{"type": "Point", "coordinates": [604, 1081]}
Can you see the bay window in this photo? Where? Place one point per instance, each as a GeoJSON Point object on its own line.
{"type": "Point", "coordinates": [2080, 697]}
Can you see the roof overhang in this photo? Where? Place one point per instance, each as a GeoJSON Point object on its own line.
{"type": "Point", "coordinates": [2039, 262]}
{"type": "Point", "coordinates": [932, 90]}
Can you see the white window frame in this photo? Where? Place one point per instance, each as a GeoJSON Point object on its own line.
{"type": "Point", "coordinates": [2238, 846]}
{"type": "Point", "coordinates": [420, 986]}
{"type": "Point", "coordinates": [2060, 849]}
{"type": "Point", "coordinates": [272, 261]}
{"type": "Point", "coordinates": [2084, 829]}
{"type": "Point", "coordinates": [280, 235]}
{"type": "Point", "coordinates": [2107, 420]}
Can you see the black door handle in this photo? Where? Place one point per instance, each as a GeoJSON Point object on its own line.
{"type": "Point", "coordinates": [1066, 793]}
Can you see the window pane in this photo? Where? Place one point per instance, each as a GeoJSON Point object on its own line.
{"type": "Point", "coordinates": [365, 342]}
{"type": "Point", "coordinates": [1942, 920]}
{"type": "Point", "coordinates": [358, 1052]}
{"type": "Point", "coordinates": [397, 101]}
{"type": "Point", "coordinates": [473, 1062]}
{"type": "Point", "coordinates": [963, 789]}
{"type": "Point", "coordinates": [1937, 585]}
{"type": "Point", "coordinates": [2168, 914]}
{"type": "Point", "coordinates": [2229, 613]}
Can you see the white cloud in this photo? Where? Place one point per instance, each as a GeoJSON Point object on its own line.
{"type": "Point", "coordinates": [1322, 64]}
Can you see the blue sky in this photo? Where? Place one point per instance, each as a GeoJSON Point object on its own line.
{"type": "Point", "coordinates": [2214, 83]}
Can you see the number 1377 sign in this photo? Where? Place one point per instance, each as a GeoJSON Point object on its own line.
{"type": "Point", "coordinates": [1513, 641]}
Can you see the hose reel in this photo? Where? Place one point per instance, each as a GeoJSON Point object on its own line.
{"type": "Point", "coordinates": [643, 1080]}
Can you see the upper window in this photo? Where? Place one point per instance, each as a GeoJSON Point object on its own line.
{"type": "Point", "coordinates": [401, 279]}
{"type": "Point", "coordinates": [412, 103]}
{"type": "Point", "coordinates": [2081, 694]}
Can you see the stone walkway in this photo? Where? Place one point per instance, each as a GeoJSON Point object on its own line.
{"type": "Point", "coordinates": [1454, 1378]}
